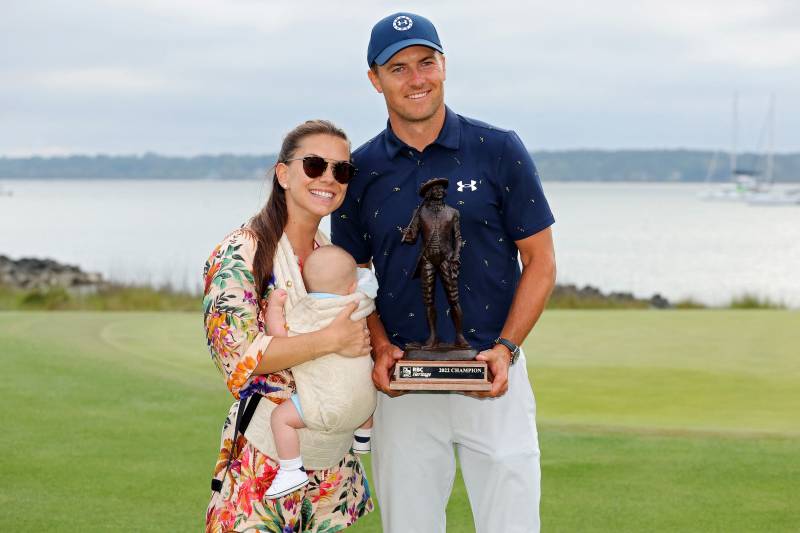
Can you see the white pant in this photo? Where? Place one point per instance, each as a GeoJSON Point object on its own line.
{"type": "Point", "coordinates": [498, 449]}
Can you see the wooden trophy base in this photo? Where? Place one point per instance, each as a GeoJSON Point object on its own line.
{"type": "Point", "coordinates": [442, 369]}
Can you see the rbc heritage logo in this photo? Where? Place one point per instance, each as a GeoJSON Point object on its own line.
{"type": "Point", "coordinates": [402, 23]}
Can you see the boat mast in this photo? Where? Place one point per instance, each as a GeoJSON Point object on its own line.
{"type": "Point", "coordinates": [770, 137]}
{"type": "Point", "coordinates": [734, 132]}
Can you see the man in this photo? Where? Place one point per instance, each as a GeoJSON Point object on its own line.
{"type": "Point", "coordinates": [441, 252]}
{"type": "Point", "coordinates": [503, 216]}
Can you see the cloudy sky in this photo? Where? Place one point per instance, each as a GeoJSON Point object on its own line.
{"type": "Point", "coordinates": [209, 76]}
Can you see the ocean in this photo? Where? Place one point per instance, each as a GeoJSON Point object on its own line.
{"type": "Point", "coordinates": [641, 238]}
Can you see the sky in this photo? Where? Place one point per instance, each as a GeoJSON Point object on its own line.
{"type": "Point", "coordinates": [185, 77]}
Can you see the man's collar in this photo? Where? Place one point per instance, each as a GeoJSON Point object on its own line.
{"type": "Point", "coordinates": [449, 136]}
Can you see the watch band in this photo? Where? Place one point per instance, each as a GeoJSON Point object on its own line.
{"type": "Point", "coordinates": [513, 348]}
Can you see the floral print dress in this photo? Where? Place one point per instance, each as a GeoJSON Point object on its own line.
{"type": "Point", "coordinates": [334, 498]}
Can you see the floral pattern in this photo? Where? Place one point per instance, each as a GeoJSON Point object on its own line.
{"type": "Point", "coordinates": [334, 498]}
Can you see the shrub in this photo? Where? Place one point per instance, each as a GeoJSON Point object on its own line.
{"type": "Point", "coordinates": [751, 301]}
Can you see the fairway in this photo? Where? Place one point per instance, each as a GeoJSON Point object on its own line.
{"type": "Point", "coordinates": [648, 420]}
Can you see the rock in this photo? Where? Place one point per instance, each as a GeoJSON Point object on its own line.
{"type": "Point", "coordinates": [659, 302]}
{"type": "Point", "coordinates": [29, 273]}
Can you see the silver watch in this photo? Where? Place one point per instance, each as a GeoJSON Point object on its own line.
{"type": "Point", "coordinates": [513, 348]}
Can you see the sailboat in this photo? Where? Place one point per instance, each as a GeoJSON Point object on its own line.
{"type": "Point", "coordinates": [772, 195]}
{"type": "Point", "coordinates": [743, 182]}
{"type": "Point", "coordinates": [742, 186]}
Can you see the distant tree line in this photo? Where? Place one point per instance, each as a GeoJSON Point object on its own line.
{"type": "Point", "coordinates": [657, 165]}
{"type": "Point", "coordinates": [147, 166]}
{"type": "Point", "coordinates": [567, 165]}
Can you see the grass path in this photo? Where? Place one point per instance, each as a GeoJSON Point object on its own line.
{"type": "Point", "coordinates": [649, 421]}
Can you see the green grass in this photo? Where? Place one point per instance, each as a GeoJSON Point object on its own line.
{"type": "Point", "coordinates": [117, 297]}
{"type": "Point", "coordinates": [649, 421]}
{"type": "Point", "coordinates": [107, 298]}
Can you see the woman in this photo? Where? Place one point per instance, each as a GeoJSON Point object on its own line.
{"type": "Point", "coordinates": [309, 182]}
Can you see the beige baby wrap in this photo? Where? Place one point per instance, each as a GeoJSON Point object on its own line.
{"type": "Point", "coordinates": [336, 392]}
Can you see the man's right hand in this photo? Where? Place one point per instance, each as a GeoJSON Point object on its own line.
{"type": "Point", "coordinates": [386, 356]}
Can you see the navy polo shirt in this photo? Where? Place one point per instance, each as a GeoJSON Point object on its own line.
{"type": "Point", "coordinates": [497, 191]}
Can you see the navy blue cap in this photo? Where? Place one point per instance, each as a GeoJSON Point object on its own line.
{"type": "Point", "coordinates": [398, 31]}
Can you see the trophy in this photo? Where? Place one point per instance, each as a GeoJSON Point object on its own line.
{"type": "Point", "coordinates": [434, 365]}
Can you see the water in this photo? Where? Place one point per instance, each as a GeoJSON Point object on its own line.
{"type": "Point", "coordinates": [640, 238]}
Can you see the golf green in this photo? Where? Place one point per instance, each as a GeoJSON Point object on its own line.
{"type": "Point", "coordinates": [648, 421]}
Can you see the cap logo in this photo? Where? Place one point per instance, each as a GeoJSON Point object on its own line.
{"type": "Point", "coordinates": [402, 23]}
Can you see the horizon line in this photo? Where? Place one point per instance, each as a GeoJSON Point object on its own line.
{"type": "Point", "coordinates": [149, 153]}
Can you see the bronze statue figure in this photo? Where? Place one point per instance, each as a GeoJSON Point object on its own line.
{"type": "Point", "coordinates": [441, 253]}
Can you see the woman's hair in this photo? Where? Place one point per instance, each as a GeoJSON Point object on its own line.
{"type": "Point", "coordinates": [268, 224]}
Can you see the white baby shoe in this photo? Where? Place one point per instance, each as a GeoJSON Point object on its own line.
{"type": "Point", "coordinates": [361, 441]}
{"type": "Point", "coordinates": [287, 481]}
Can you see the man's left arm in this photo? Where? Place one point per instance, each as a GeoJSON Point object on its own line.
{"type": "Point", "coordinates": [535, 285]}
{"type": "Point", "coordinates": [527, 219]}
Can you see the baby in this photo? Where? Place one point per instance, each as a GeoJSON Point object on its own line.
{"type": "Point", "coordinates": [328, 272]}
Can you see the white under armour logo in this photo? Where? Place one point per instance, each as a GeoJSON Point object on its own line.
{"type": "Point", "coordinates": [402, 23]}
{"type": "Point", "coordinates": [471, 185]}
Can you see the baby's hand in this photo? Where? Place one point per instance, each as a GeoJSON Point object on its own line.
{"type": "Point", "coordinates": [273, 316]}
{"type": "Point", "coordinates": [277, 298]}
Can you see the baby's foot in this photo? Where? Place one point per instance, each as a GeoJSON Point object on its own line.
{"type": "Point", "coordinates": [286, 482]}
{"type": "Point", "coordinates": [362, 441]}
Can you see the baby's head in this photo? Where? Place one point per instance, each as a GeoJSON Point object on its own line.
{"type": "Point", "coordinates": [330, 269]}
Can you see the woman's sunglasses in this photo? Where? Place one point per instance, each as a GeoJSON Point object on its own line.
{"type": "Point", "coordinates": [314, 166]}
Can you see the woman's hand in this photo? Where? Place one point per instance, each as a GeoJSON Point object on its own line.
{"type": "Point", "coordinates": [349, 337]}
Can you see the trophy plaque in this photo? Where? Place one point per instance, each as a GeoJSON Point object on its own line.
{"type": "Point", "coordinates": [434, 365]}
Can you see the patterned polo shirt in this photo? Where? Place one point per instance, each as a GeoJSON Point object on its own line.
{"type": "Point", "coordinates": [494, 185]}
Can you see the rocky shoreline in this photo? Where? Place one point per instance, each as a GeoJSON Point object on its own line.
{"type": "Point", "coordinates": [32, 274]}
{"type": "Point", "coordinates": [613, 299]}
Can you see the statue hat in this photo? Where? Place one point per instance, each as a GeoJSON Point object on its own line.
{"type": "Point", "coordinates": [444, 182]}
